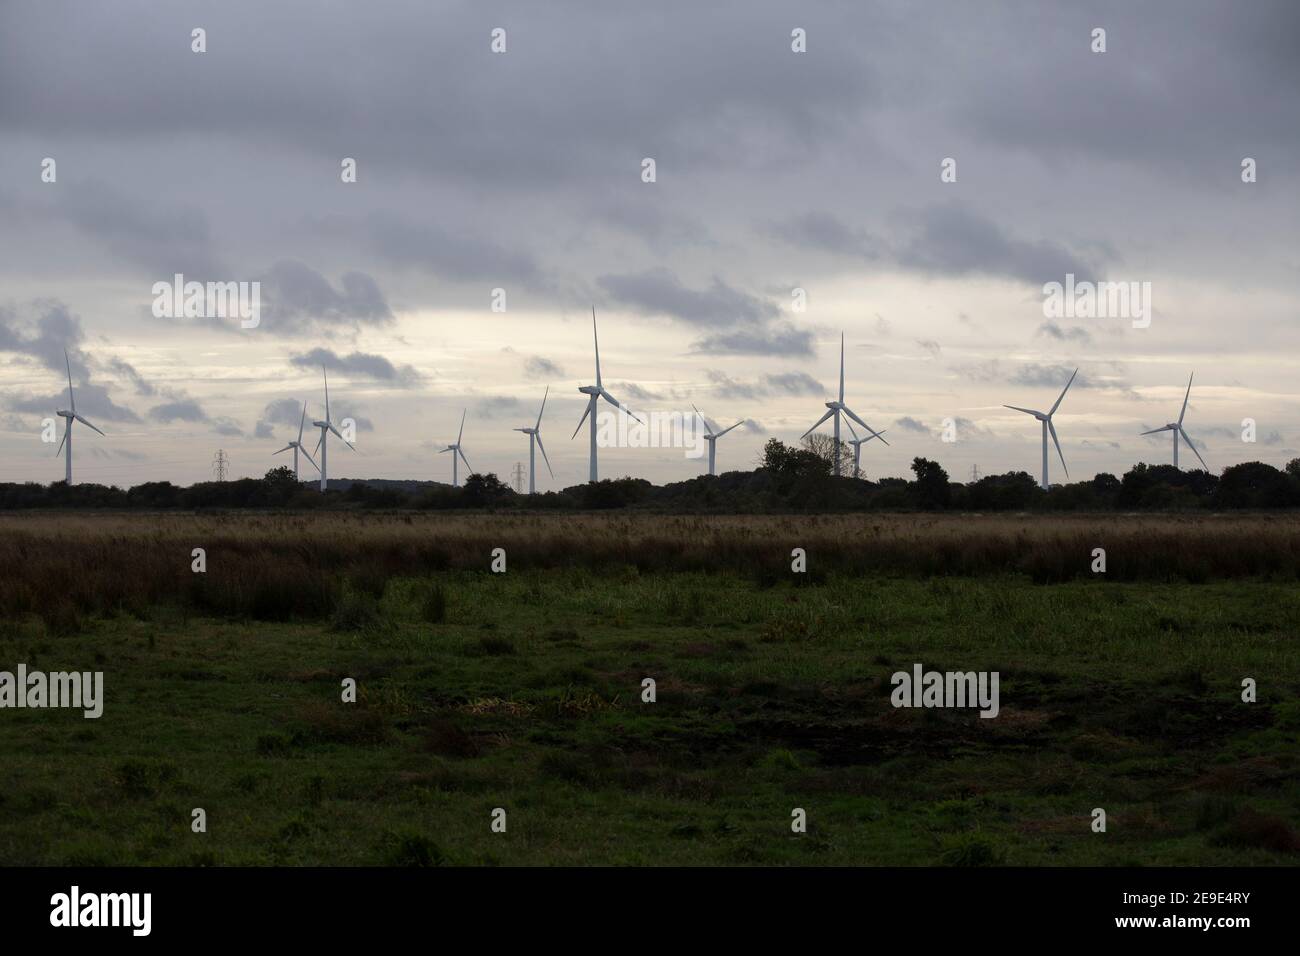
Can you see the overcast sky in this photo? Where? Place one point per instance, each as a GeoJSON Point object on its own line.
{"type": "Point", "coordinates": [522, 170]}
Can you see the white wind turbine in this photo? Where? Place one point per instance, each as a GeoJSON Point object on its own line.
{"type": "Point", "coordinates": [711, 436]}
{"type": "Point", "coordinates": [70, 416]}
{"type": "Point", "coordinates": [834, 410]}
{"type": "Point", "coordinates": [1046, 419]}
{"type": "Point", "coordinates": [454, 448]}
{"type": "Point", "coordinates": [535, 438]}
{"type": "Point", "coordinates": [326, 427]}
{"type": "Point", "coordinates": [594, 393]}
{"type": "Point", "coordinates": [857, 444]}
{"type": "Point", "coordinates": [1177, 428]}
{"type": "Point", "coordinates": [297, 445]}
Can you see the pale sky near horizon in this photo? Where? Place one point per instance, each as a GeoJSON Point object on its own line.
{"type": "Point", "coordinates": [522, 170]}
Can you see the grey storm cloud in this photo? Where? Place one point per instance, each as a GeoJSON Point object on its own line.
{"type": "Point", "coordinates": [162, 238]}
{"type": "Point", "coordinates": [909, 424]}
{"type": "Point", "coordinates": [953, 240]}
{"type": "Point", "coordinates": [297, 299]}
{"type": "Point", "coordinates": [784, 383]}
{"type": "Point", "coordinates": [42, 333]}
{"type": "Point", "coordinates": [1074, 333]}
{"type": "Point", "coordinates": [949, 239]}
{"type": "Point", "coordinates": [282, 411]}
{"type": "Point", "coordinates": [780, 339]}
{"type": "Point", "coordinates": [93, 401]}
{"type": "Point", "coordinates": [659, 292]}
{"type": "Point", "coordinates": [535, 366]}
{"type": "Point", "coordinates": [362, 364]}
{"type": "Point", "coordinates": [186, 410]}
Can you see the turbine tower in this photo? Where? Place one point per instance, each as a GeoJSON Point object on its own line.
{"type": "Point", "coordinates": [594, 393]}
{"type": "Point", "coordinates": [454, 448]}
{"type": "Point", "coordinates": [297, 445]}
{"type": "Point", "coordinates": [1177, 428]}
{"type": "Point", "coordinates": [326, 427]}
{"type": "Point", "coordinates": [711, 435]}
{"type": "Point", "coordinates": [70, 416]}
{"type": "Point", "coordinates": [1046, 419]}
{"type": "Point", "coordinates": [857, 444]}
{"type": "Point", "coordinates": [834, 410]}
{"type": "Point", "coordinates": [535, 438]}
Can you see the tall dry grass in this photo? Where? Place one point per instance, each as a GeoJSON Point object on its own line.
{"type": "Point", "coordinates": [272, 566]}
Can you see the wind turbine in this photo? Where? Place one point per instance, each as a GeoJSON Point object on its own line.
{"type": "Point", "coordinates": [535, 437]}
{"type": "Point", "coordinates": [594, 393]}
{"type": "Point", "coordinates": [711, 436]}
{"type": "Point", "coordinates": [297, 445]}
{"type": "Point", "coordinates": [834, 410]}
{"type": "Point", "coordinates": [857, 444]}
{"type": "Point", "coordinates": [326, 427]}
{"type": "Point", "coordinates": [70, 416]}
{"type": "Point", "coordinates": [1046, 419]}
{"type": "Point", "coordinates": [1177, 428]}
{"type": "Point", "coordinates": [454, 448]}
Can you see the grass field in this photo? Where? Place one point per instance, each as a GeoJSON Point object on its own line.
{"type": "Point", "coordinates": [523, 691]}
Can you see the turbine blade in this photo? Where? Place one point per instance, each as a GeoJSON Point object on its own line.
{"type": "Point", "coordinates": [61, 441]}
{"type": "Point", "coordinates": [320, 441]}
{"type": "Point", "coordinates": [829, 413]}
{"type": "Point", "coordinates": [614, 401]}
{"type": "Point", "coordinates": [1162, 428]}
{"type": "Point", "coordinates": [87, 424]}
{"type": "Point", "coordinates": [1063, 391]}
{"type": "Point", "coordinates": [72, 398]}
{"type": "Point", "coordinates": [881, 435]}
{"type": "Point", "coordinates": [853, 415]}
{"type": "Point", "coordinates": [302, 421]}
{"type": "Point", "coordinates": [1185, 398]}
{"type": "Point", "coordinates": [1187, 439]}
{"type": "Point", "coordinates": [327, 392]}
{"type": "Point", "coordinates": [841, 367]}
{"type": "Point", "coordinates": [1052, 428]}
{"type": "Point", "coordinates": [544, 458]}
{"type": "Point", "coordinates": [543, 408]}
{"type": "Point", "coordinates": [725, 430]}
{"type": "Point", "coordinates": [309, 458]}
{"type": "Point", "coordinates": [853, 431]}
{"type": "Point", "coordinates": [283, 450]}
{"type": "Point", "coordinates": [461, 434]}
{"type": "Point", "coordinates": [596, 339]}
{"type": "Point", "coordinates": [585, 413]}
{"type": "Point", "coordinates": [465, 460]}
{"type": "Point", "coordinates": [1027, 411]}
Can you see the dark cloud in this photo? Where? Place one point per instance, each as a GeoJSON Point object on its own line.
{"type": "Point", "coordinates": [658, 292]}
{"type": "Point", "coordinates": [785, 383]}
{"type": "Point", "coordinates": [781, 339]}
{"type": "Point", "coordinates": [1074, 333]}
{"type": "Point", "coordinates": [363, 364]}
{"type": "Point", "coordinates": [909, 424]}
{"type": "Point", "coordinates": [537, 367]}
{"type": "Point", "coordinates": [297, 299]}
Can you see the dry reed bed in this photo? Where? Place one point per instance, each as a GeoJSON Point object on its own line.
{"type": "Point", "coordinates": [288, 565]}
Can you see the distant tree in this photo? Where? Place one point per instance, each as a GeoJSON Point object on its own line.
{"type": "Point", "coordinates": [824, 447]}
{"type": "Point", "coordinates": [1293, 468]}
{"type": "Point", "coordinates": [931, 487]}
{"type": "Point", "coordinates": [482, 491]}
{"type": "Point", "coordinates": [780, 459]}
{"type": "Point", "coordinates": [1254, 484]}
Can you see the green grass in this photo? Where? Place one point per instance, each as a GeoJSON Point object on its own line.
{"type": "Point", "coordinates": [523, 691]}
